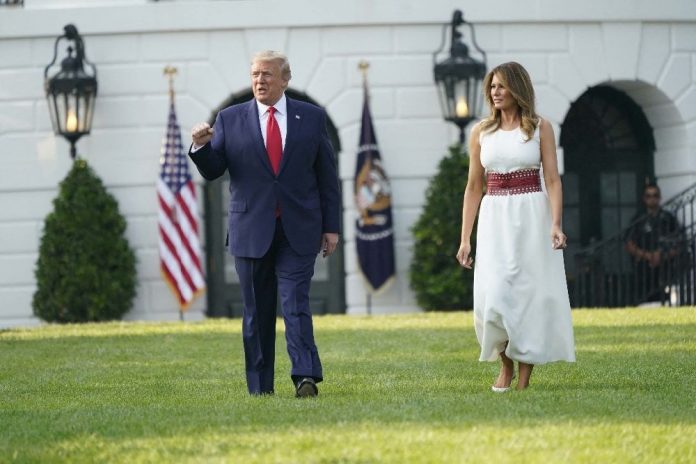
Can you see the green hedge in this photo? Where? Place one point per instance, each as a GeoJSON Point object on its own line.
{"type": "Point", "coordinates": [86, 268]}
{"type": "Point", "coordinates": [438, 281]}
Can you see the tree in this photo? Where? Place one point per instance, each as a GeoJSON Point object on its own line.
{"type": "Point", "coordinates": [86, 268]}
{"type": "Point", "coordinates": [439, 282]}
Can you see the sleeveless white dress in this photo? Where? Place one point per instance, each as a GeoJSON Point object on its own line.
{"type": "Point", "coordinates": [520, 292]}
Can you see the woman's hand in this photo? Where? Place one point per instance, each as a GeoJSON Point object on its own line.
{"type": "Point", "coordinates": [558, 238]}
{"type": "Point", "coordinates": [463, 256]}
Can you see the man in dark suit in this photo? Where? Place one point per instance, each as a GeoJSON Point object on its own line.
{"type": "Point", "coordinates": [284, 208]}
{"type": "Point", "coordinates": [655, 240]}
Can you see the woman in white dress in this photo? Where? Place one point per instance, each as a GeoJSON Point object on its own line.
{"type": "Point", "coordinates": [521, 307]}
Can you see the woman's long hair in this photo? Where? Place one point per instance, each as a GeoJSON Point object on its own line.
{"type": "Point", "coordinates": [516, 80]}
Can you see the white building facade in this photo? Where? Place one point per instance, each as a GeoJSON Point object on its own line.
{"type": "Point", "coordinates": [646, 50]}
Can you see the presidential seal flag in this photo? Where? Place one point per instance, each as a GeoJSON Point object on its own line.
{"type": "Point", "coordinates": [374, 235]}
{"type": "Point", "coordinates": [179, 245]}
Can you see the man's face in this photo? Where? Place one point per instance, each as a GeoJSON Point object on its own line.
{"type": "Point", "coordinates": [651, 198]}
{"type": "Point", "coordinates": [267, 81]}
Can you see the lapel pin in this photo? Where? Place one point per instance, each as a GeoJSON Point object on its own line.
{"type": "Point", "coordinates": [297, 116]}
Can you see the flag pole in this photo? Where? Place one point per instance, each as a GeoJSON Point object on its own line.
{"type": "Point", "coordinates": [363, 66]}
{"type": "Point", "coordinates": [170, 72]}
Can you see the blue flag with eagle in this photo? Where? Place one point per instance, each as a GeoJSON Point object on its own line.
{"type": "Point", "coordinates": [374, 231]}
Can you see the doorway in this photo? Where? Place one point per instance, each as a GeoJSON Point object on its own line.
{"type": "Point", "coordinates": [608, 149]}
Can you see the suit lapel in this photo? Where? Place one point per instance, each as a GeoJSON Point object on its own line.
{"type": "Point", "coordinates": [254, 129]}
{"type": "Point", "coordinates": [294, 121]}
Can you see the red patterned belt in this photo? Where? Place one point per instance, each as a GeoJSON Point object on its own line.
{"type": "Point", "coordinates": [513, 183]}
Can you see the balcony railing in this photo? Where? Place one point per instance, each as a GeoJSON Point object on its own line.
{"type": "Point", "coordinates": [609, 276]}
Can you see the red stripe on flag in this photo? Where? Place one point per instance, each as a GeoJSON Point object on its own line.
{"type": "Point", "coordinates": [187, 247]}
{"type": "Point", "coordinates": [172, 282]}
{"type": "Point", "coordinates": [175, 253]}
{"type": "Point", "coordinates": [179, 267]}
{"type": "Point", "coordinates": [189, 187]}
{"type": "Point", "coordinates": [180, 260]}
{"type": "Point", "coordinates": [193, 254]}
{"type": "Point", "coordinates": [185, 240]}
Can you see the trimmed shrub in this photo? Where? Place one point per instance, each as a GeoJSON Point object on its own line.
{"type": "Point", "coordinates": [439, 282]}
{"type": "Point", "coordinates": [86, 269]}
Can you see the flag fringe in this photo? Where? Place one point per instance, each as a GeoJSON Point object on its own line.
{"type": "Point", "coordinates": [183, 307]}
{"type": "Point", "coordinates": [376, 291]}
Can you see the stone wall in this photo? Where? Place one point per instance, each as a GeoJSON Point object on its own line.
{"type": "Point", "coordinates": [648, 51]}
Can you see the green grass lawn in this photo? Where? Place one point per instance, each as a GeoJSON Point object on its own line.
{"type": "Point", "coordinates": [404, 388]}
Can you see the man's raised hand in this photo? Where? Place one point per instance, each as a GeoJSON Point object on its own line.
{"type": "Point", "coordinates": [201, 134]}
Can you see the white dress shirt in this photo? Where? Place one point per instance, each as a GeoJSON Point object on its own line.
{"type": "Point", "coordinates": [281, 116]}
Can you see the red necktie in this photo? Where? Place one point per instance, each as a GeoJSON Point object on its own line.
{"type": "Point", "coordinates": [274, 144]}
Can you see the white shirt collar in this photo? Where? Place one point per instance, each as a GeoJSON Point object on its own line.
{"type": "Point", "coordinates": [281, 106]}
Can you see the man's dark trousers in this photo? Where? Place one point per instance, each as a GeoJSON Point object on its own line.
{"type": "Point", "coordinates": [282, 270]}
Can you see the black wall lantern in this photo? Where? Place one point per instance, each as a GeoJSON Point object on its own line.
{"type": "Point", "coordinates": [459, 77]}
{"type": "Point", "coordinates": [71, 91]}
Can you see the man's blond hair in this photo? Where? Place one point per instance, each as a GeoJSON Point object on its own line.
{"type": "Point", "coordinates": [280, 58]}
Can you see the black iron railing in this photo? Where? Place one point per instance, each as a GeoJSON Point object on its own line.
{"type": "Point", "coordinates": [651, 261]}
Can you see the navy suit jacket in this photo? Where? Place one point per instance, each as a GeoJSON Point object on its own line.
{"type": "Point", "coordinates": [306, 187]}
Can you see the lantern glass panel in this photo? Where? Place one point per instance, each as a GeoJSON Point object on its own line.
{"type": "Point", "coordinates": [80, 112]}
{"type": "Point", "coordinates": [87, 110]}
{"type": "Point", "coordinates": [62, 109]}
{"type": "Point", "coordinates": [54, 112]}
{"type": "Point", "coordinates": [462, 99]}
{"type": "Point", "coordinates": [471, 90]}
{"type": "Point", "coordinates": [71, 116]}
{"type": "Point", "coordinates": [448, 96]}
{"type": "Point", "coordinates": [442, 92]}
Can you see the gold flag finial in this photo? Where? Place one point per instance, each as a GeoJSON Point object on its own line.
{"type": "Point", "coordinates": [363, 67]}
{"type": "Point", "coordinates": [170, 72]}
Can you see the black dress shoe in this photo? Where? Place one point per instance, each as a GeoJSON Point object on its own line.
{"type": "Point", "coordinates": [306, 388]}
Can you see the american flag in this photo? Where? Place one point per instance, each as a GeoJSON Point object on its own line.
{"type": "Point", "coordinates": [179, 246]}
